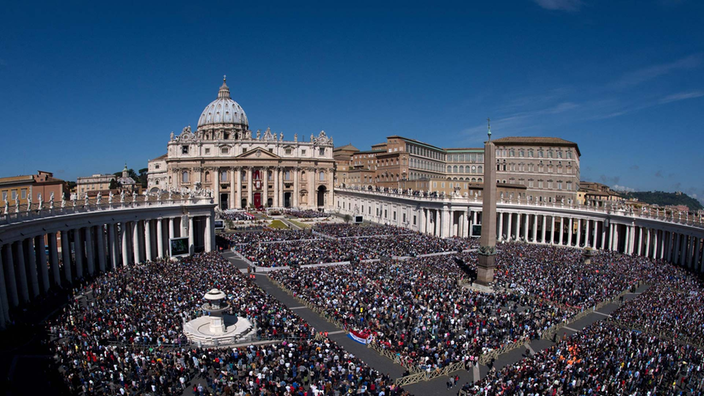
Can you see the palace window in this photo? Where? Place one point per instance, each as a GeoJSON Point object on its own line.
{"type": "Point", "coordinates": [184, 149]}
{"type": "Point", "coordinates": [288, 151]}
{"type": "Point", "coordinates": [321, 176]}
{"type": "Point", "coordinates": [223, 176]}
{"type": "Point", "coordinates": [184, 177]}
{"type": "Point", "coordinates": [303, 152]}
{"type": "Point", "coordinates": [24, 193]}
{"type": "Point", "coordinates": [224, 150]}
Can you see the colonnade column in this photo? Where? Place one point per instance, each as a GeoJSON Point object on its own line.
{"type": "Point", "coordinates": [535, 228]}
{"type": "Point", "coordinates": [569, 232]}
{"type": "Point", "coordinates": [125, 247]}
{"type": "Point", "coordinates": [552, 230]}
{"type": "Point", "coordinates": [422, 225]}
{"type": "Point", "coordinates": [159, 238]}
{"type": "Point", "coordinates": [11, 280]}
{"type": "Point", "coordinates": [656, 249]}
{"type": "Point", "coordinates": [66, 254]}
{"type": "Point", "coordinates": [208, 234]}
{"type": "Point", "coordinates": [148, 240]}
{"type": "Point", "coordinates": [100, 242]}
{"type": "Point", "coordinates": [90, 258]}
{"type": "Point", "coordinates": [135, 242]}
{"type": "Point", "coordinates": [508, 226]}
{"type": "Point", "coordinates": [696, 253]}
{"type": "Point", "coordinates": [78, 251]}
{"type": "Point", "coordinates": [31, 264]}
{"type": "Point", "coordinates": [54, 258]}
{"type": "Point", "coordinates": [22, 269]}
{"type": "Point", "coordinates": [191, 237]}
{"type": "Point", "coordinates": [579, 232]}
{"type": "Point", "coordinates": [43, 268]}
{"type": "Point", "coordinates": [586, 232]}
{"type": "Point", "coordinates": [526, 220]}
{"type": "Point", "coordinates": [4, 292]}
{"type": "Point", "coordinates": [562, 229]}
{"type": "Point", "coordinates": [501, 225]}
{"type": "Point", "coordinates": [112, 246]}
{"type": "Point", "coordinates": [542, 232]}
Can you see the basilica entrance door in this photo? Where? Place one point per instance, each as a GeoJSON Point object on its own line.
{"type": "Point", "coordinates": [257, 200]}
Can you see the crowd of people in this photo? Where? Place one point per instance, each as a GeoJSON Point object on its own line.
{"type": "Point", "coordinates": [305, 214]}
{"type": "Point", "coordinates": [122, 335]}
{"type": "Point", "coordinates": [603, 359]}
{"type": "Point", "coordinates": [236, 215]}
{"type": "Point", "coordinates": [332, 243]}
{"type": "Point", "coordinates": [673, 307]}
{"type": "Point", "coordinates": [416, 309]}
{"type": "Point", "coordinates": [562, 276]}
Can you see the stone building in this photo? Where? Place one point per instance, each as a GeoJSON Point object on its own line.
{"type": "Point", "coordinates": [19, 190]}
{"type": "Point", "coordinates": [547, 166]}
{"type": "Point", "coordinates": [543, 169]}
{"type": "Point", "coordinates": [243, 169]}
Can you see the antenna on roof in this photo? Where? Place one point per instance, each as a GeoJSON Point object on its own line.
{"type": "Point", "coordinates": [488, 123]}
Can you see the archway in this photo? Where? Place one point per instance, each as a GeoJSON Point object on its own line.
{"type": "Point", "coordinates": [321, 196]}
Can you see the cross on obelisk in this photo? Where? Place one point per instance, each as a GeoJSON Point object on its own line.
{"type": "Point", "coordinates": [487, 241]}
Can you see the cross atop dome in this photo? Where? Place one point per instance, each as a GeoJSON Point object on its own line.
{"type": "Point", "coordinates": [224, 91]}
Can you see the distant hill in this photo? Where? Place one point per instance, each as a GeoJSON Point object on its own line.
{"type": "Point", "coordinates": [664, 198]}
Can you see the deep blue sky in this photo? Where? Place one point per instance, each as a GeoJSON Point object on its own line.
{"type": "Point", "coordinates": [86, 87]}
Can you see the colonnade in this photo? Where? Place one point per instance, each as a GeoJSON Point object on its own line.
{"type": "Point", "coordinates": [626, 233]}
{"type": "Point", "coordinates": [61, 251]}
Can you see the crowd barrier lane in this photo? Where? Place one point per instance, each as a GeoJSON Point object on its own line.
{"type": "Point", "coordinates": [681, 340]}
{"type": "Point", "coordinates": [427, 376]}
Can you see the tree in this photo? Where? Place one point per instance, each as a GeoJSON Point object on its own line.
{"type": "Point", "coordinates": [347, 218]}
{"type": "Point", "coordinates": [113, 184]}
{"type": "Point", "coordinates": [143, 177]}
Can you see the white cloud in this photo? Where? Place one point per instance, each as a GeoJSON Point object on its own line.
{"type": "Point", "coordinates": [682, 96]}
{"type": "Point", "coordinates": [642, 75]}
{"type": "Point", "coordinates": [616, 187]}
{"type": "Point", "coordinates": [560, 5]}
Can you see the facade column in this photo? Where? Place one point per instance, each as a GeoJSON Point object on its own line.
{"type": "Point", "coordinates": [311, 189]}
{"type": "Point", "coordinates": [125, 244]}
{"type": "Point", "coordinates": [43, 267]}
{"type": "Point", "coordinates": [627, 241]}
{"type": "Point", "coordinates": [208, 234]}
{"type": "Point", "coordinates": [159, 238]}
{"type": "Point", "coordinates": [216, 186]}
{"type": "Point", "coordinates": [238, 202]}
{"type": "Point", "coordinates": [570, 231]}
{"type": "Point", "coordinates": [595, 224]}
{"type": "Point", "coordinates": [100, 242]}
{"type": "Point", "coordinates": [535, 228]}
{"type": "Point", "coordinates": [191, 235]}
{"type": "Point", "coordinates": [446, 222]}
{"type": "Point", "coordinates": [640, 241]}
{"type": "Point", "coordinates": [54, 258]}
{"type": "Point", "coordinates": [526, 222]}
{"type": "Point", "coordinates": [552, 229]}
{"type": "Point", "coordinates": [31, 264]}
{"type": "Point", "coordinates": [135, 242]}
{"type": "Point", "coordinates": [112, 246]}
{"type": "Point", "coordinates": [66, 254]}
{"type": "Point", "coordinates": [10, 278]}
{"type": "Point", "coordinates": [586, 233]}
{"type": "Point", "coordinates": [656, 246]}
{"type": "Point", "coordinates": [90, 257]}
{"type": "Point", "coordinates": [250, 189]}
{"type": "Point", "coordinates": [22, 270]}
{"type": "Point", "coordinates": [78, 251]}
{"type": "Point", "coordinates": [275, 199]}
{"type": "Point", "coordinates": [562, 229]}
{"type": "Point", "coordinates": [265, 193]}
{"type": "Point", "coordinates": [234, 178]}
{"type": "Point", "coordinates": [579, 232]}
{"type": "Point", "coordinates": [148, 240]}
{"type": "Point", "coordinates": [296, 187]}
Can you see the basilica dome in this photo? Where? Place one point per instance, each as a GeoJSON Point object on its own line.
{"type": "Point", "coordinates": [223, 110]}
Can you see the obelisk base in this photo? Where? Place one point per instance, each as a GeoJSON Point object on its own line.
{"type": "Point", "coordinates": [485, 269]}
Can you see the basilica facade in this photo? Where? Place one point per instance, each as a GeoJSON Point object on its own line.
{"type": "Point", "coordinates": [242, 169]}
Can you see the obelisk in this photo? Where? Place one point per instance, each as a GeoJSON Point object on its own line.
{"type": "Point", "coordinates": [487, 241]}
